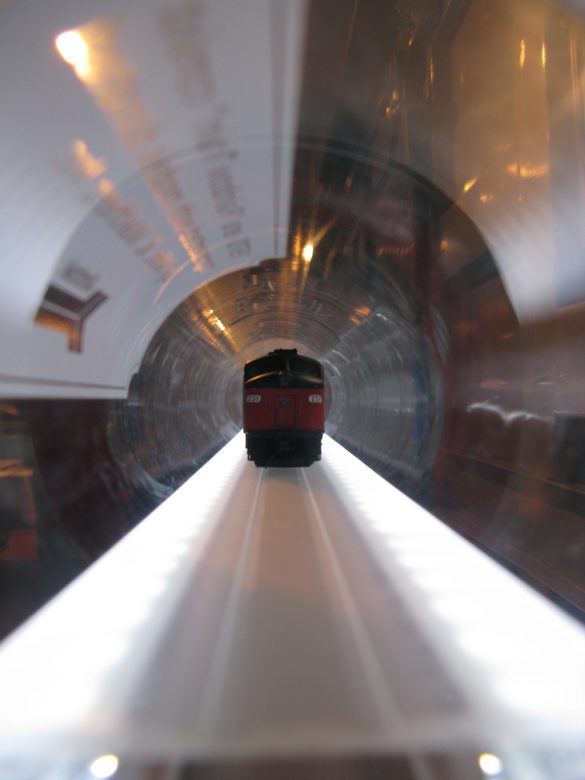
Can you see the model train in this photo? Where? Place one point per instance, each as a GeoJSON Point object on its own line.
{"type": "Point", "coordinates": [283, 409]}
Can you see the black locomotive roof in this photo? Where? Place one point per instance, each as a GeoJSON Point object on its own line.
{"type": "Point", "coordinates": [284, 360]}
{"type": "Point", "coordinates": [284, 352]}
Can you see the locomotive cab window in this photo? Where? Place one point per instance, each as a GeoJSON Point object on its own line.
{"type": "Point", "coordinates": [285, 369]}
{"type": "Point", "coordinates": [310, 369]}
{"type": "Point", "coordinates": [265, 365]}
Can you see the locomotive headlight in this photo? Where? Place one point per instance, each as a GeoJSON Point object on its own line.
{"type": "Point", "coordinates": [253, 398]}
{"type": "Point", "coordinates": [315, 399]}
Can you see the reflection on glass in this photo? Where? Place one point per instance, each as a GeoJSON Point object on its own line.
{"type": "Point", "coordinates": [490, 765]}
{"type": "Point", "coordinates": [72, 47]}
{"type": "Point", "coordinates": [527, 171]}
{"type": "Point", "coordinates": [104, 766]}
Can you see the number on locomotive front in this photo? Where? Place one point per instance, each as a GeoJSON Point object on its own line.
{"type": "Point", "coordinates": [284, 413]}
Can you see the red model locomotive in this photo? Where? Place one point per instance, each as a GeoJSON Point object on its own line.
{"type": "Point", "coordinates": [283, 409]}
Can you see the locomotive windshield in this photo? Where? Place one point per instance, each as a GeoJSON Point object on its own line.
{"type": "Point", "coordinates": [283, 367]}
{"type": "Point", "coordinates": [266, 365]}
{"type": "Point", "coordinates": [301, 365]}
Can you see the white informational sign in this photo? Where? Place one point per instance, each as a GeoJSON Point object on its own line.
{"type": "Point", "coordinates": [147, 149]}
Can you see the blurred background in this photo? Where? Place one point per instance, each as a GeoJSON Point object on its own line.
{"type": "Point", "coordinates": [395, 187]}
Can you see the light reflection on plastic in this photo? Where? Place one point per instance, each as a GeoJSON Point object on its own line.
{"type": "Point", "coordinates": [308, 253]}
{"type": "Point", "coordinates": [490, 764]}
{"type": "Point", "coordinates": [527, 657]}
{"type": "Point", "coordinates": [73, 48]}
{"type": "Point", "coordinates": [525, 171]}
{"type": "Point", "coordinates": [54, 669]}
{"type": "Point", "coordinates": [105, 766]}
{"type": "Point", "coordinates": [103, 67]}
{"type": "Point", "coordinates": [522, 52]}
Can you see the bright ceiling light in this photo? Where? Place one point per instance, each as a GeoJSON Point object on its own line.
{"type": "Point", "coordinates": [490, 765]}
{"type": "Point", "coordinates": [105, 766]}
{"type": "Point", "coordinates": [308, 253]}
{"type": "Point", "coordinates": [72, 47]}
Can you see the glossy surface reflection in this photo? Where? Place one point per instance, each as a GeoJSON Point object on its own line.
{"type": "Point", "coordinates": [220, 655]}
{"type": "Point", "coordinates": [394, 188]}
